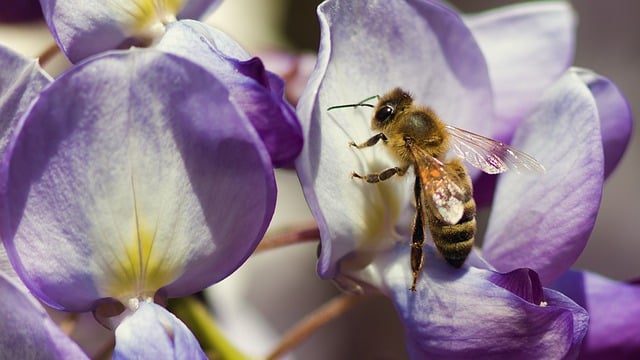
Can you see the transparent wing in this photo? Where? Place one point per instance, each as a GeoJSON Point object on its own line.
{"type": "Point", "coordinates": [440, 192]}
{"type": "Point", "coordinates": [490, 156]}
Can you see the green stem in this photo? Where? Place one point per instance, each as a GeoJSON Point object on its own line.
{"type": "Point", "coordinates": [197, 317]}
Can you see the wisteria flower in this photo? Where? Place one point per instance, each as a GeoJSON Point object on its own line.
{"type": "Point", "coordinates": [123, 188]}
{"type": "Point", "coordinates": [85, 28]}
{"type": "Point", "coordinates": [461, 69]}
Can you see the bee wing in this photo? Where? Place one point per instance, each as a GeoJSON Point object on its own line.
{"type": "Point", "coordinates": [490, 156]}
{"type": "Point", "coordinates": [440, 192]}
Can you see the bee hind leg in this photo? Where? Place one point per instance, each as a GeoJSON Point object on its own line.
{"type": "Point", "coordinates": [417, 235]}
{"type": "Point", "coordinates": [417, 259]}
{"type": "Point", "coordinates": [381, 176]}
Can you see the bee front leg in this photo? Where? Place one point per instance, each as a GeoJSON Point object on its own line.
{"type": "Point", "coordinates": [372, 141]}
{"type": "Point", "coordinates": [381, 176]}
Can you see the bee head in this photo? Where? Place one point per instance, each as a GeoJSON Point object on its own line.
{"type": "Point", "coordinates": [391, 104]}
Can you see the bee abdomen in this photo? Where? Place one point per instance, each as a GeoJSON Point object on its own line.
{"type": "Point", "coordinates": [454, 242]}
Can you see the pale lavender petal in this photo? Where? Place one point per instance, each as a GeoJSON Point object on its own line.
{"type": "Point", "coordinates": [614, 312]}
{"type": "Point", "coordinates": [27, 332]}
{"type": "Point", "coordinates": [21, 80]}
{"type": "Point", "coordinates": [616, 123]}
{"type": "Point", "coordinates": [616, 120]}
{"type": "Point", "coordinates": [87, 27]}
{"type": "Point", "coordinates": [367, 48]}
{"type": "Point", "coordinates": [528, 46]}
{"type": "Point", "coordinates": [83, 28]}
{"type": "Point", "coordinates": [257, 92]}
{"type": "Point", "coordinates": [543, 221]}
{"type": "Point", "coordinates": [152, 332]}
{"type": "Point", "coordinates": [122, 182]}
{"type": "Point", "coordinates": [470, 313]}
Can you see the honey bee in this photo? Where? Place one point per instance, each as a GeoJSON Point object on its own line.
{"type": "Point", "coordinates": [443, 192]}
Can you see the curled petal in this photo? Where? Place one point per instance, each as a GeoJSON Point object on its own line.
{"type": "Point", "coordinates": [122, 182]}
{"type": "Point", "coordinates": [364, 52]}
{"type": "Point", "coordinates": [294, 69]}
{"type": "Point", "coordinates": [543, 222]}
{"type": "Point", "coordinates": [531, 42]}
{"type": "Point", "coordinates": [471, 313]}
{"type": "Point", "coordinates": [257, 92]}
{"type": "Point", "coordinates": [522, 282]}
{"type": "Point", "coordinates": [27, 332]}
{"type": "Point", "coordinates": [616, 120]}
{"type": "Point", "coordinates": [88, 27]}
{"type": "Point", "coordinates": [614, 312]}
{"type": "Point", "coordinates": [152, 332]}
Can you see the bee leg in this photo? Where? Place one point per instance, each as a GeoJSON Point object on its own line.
{"type": "Point", "coordinates": [417, 258]}
{"type": "Point", "coordinates": [372, 141]}
{"type": "Point", "coordinates": [381, 176]}
{"type": "Point", "coordinates": [417, 236]}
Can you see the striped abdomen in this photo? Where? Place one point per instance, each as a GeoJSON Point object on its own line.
{"type": "Point", "coordinates": [455, 241]}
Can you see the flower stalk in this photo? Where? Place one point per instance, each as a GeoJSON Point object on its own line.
{"type": "Point", "coordinates": [198, 318]}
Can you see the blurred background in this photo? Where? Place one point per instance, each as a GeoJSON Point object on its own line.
{"type": "Point", "coordinates": [277, 288]}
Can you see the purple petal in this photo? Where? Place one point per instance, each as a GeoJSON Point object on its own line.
{"type": "Point", "coordinates": [522, 282]}
{"type": "Point", "coordinates": [614, 312]}
{"type": "Point", "coordinates": [616, 120]}
{"type": "Point", "coordinates": [130, 174]}
{"type": "Point", "coordinates": [257, 92]}
{"type": "Point", "coordinates": [543, 221]}
{"type": "Point", "coordinates": [528, 46]}
{"type": "Point", "coordinates": [152, 332]}
{"type": "Point", "coordinates": [388, 44]}
{"type": "Point", "coordinates": [470, 313]}
{"type": "Point", "coordinates": [27, 332]}
{"type": "Point", "coordinates": [87, 27]}
{"type": "Point", "coordinates": [295, 69]}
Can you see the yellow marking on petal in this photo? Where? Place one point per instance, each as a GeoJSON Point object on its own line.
{"type": "Point", "coordinates": [139, 269]}
{"type": "Point", "coordinates": [144, 16]}
{"type": "Point", "coordinates": [383, 212]}
{"type": "Point", "coordinates": [380, 217]}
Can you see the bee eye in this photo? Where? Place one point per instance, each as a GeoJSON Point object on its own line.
{"type": "Point", "coordinates": [385, 112]}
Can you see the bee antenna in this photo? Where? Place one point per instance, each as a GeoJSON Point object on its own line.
{"type": "Point", "coordinates": [361, 103]}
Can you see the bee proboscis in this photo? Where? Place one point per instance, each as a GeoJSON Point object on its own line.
{"type": "Point", "coordinates": [443, 192]}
